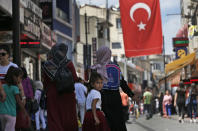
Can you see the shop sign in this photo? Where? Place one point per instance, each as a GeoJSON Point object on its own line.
{"type": "Point", "coordinates": [46, 36]}
{"type": "Point", "coordinates": [28, 4]}
{"type": "Point", "coordinates": [180, 42]}
{"type": "Point", "coordinates": [32, 28]}
{"type": "Point", "coordinates": [32, 23]}
{"type": "Point", "coordinates": [94, 48]}
{"type": "Point", "coordinates": [192, 31]}
{"type": "Point", "coordinates": [30, 44]}
{"type": "Point", "coordinates": [180, 52]}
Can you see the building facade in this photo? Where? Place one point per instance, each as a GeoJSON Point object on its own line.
{"type": "Point", "coordinates": [43, 23]}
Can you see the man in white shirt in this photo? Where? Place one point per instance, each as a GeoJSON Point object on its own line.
{"type": "Point", "coordinates": [4, 61]}
{"type": "Point", "coordinates": [81, 93]}
{"type": "Point", "coordinates": [4, 66]}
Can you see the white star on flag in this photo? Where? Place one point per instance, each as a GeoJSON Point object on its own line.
{"type": "Point", "coordinates": [141, 26]}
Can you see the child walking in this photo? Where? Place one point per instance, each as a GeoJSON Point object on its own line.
{"type": "Point", "coordinates": [8, 107]}
{"type": "Point", "coordinates": [39, 115]}
{"type": "Point", "coordinates": [94, 118]}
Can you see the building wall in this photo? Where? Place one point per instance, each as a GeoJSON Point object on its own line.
{"type": "Point", "coordinates": [116, 35]}
{"type": "Point", "coordinates": [62, 24]}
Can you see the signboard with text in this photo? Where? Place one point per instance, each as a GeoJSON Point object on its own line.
{"type": "Point", "coordinates": [180, 42]}
{"type": "Point", "coordinates": [46, 38]}
{"type": "Point", "coordinates": [32, 24]}
{"type": "Point", "coordinates": [94, 48]}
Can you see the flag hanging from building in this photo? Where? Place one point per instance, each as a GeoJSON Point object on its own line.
{"type": "Point", "coordinates": [142, 28]}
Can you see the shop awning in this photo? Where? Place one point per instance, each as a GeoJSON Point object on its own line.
{"type": "Point", "coordinates": [180, 63]}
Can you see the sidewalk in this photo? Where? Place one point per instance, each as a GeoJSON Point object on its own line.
{"type": "Point", "coordinates": [176, 117]}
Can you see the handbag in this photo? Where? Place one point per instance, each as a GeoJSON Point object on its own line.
{"type": "Point", "coordinates": [22, 121]}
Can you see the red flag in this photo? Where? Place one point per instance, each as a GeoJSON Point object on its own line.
{"type": "Point", "coordinates": [141, 25]}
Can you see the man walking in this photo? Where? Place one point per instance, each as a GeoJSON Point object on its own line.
{"type": "Point", "coordinates": [147, 97]}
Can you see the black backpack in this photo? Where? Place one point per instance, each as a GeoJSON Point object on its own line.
{"type": "Point", "coordinates": [35, 107]}
{"type": "Point", "coordinates": [42, 102]}
{"type": "Point", "coordinates": [64, 79]}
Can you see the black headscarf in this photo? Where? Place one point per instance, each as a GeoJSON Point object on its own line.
{"type": "Point", "coordinates": [55, 58]}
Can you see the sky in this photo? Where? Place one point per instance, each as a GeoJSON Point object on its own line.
{"type": "Point", "coordinates": [170, 10]}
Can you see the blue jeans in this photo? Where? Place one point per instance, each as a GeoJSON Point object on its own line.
{"type": "Point", "coordinates": [168, 110]}
{"type": "Point", "coordinates": [193, 106]}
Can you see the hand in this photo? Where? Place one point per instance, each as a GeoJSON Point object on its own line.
{"type": "Point", "coordinates": [24, 101]}
{"type": "Point", "coordinates": [174, 104]}
{"type": "Point", "coordinates": [97, 121]}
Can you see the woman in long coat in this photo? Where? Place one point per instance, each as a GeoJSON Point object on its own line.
{"type": "Point", "coordinates": [61, 108]}
{"type": "Point", "coordinates": [111, 99]}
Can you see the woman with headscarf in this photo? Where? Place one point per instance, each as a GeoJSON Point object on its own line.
{"type": "Point", "coordinates": [61, 108]}
{"type": "Point", "coordinates": [111, 99]}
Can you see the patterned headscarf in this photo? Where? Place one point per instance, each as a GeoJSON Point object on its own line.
{"type": "Point", "coordinates": [56, 56]}
{"type": "Point", "coordinates": [103, 56]}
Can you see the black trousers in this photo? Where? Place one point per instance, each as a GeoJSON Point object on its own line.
{"type": "Point", "coordinates": [125, 112]}
{"type": "Point", "coordinates": [181, 109]}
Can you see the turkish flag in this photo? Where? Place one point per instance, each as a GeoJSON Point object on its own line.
{"type": "Point", "coordinates": [142, 28]}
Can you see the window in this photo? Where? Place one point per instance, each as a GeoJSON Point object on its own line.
{"type": "Point", "coordinates": [118, 23]}
{"type": "Point", "coordinates": [63, 10]}
{"type": "Point", "coordinates": [156, 66]}
{"type": "Point", "coordinates": [61, 14]}
{"type": "Point", "coordinates": [100, 32]}
{"type": "Point", "coordinates": [116, 45]}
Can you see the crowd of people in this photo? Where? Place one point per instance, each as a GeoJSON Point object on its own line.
{"type": "Point", "coordinates": [182, 103]}
{"type": "Point", "coordinates": [61, 100]}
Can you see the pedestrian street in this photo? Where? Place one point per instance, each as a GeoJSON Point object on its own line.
{"type": "Point", "coordinates": [158, 123]}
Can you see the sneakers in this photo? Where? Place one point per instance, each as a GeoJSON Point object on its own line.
{"type": "Point", "coordinates": [191, 121]}
{"type": "Point", "coordinates": [194, 121]}
{"type": "Point", "coordinates": [182, 121]}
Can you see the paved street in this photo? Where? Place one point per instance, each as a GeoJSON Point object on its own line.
{"type": "Point", "coordinates": [160, 124]}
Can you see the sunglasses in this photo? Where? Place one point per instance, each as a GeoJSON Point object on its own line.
{"type": "Point", "coordinates": [3, 54]}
